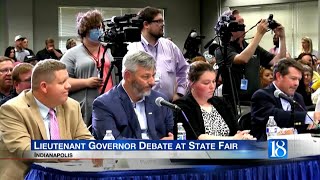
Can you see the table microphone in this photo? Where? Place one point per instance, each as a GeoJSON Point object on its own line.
{"type": "Point", "coordinates": [278, 94]}
{"type": "Point", "coordinates": [162, 102]}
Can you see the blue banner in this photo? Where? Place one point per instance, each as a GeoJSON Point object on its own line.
{"type": "Point", "coordinates": [146, 145]}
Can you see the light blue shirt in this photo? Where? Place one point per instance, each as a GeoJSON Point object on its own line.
{"type": "Point", "coordinates": [140, 110]}
{"type": "Point", "coordinates": [171, 66]}
{"type": "Point", "coordinates": [44, 112]}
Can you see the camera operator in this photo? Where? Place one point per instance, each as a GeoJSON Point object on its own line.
{"type": "Point", "coordinates": [246, 58]}
{"type": "Point", "coordinates": [84, 62]}
{"type": "Point", "coordinates": [171, 66]}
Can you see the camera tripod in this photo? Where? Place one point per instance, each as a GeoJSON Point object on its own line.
{"type": "Point", "coordinates": [225, 70]}
{"type": "Point", "coordinates": [118, 50]}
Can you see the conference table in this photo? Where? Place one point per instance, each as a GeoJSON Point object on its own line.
{"type": "Point", "coordinates": [305, 164]}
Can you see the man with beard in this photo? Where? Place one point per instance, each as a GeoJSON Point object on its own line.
{"type": "Point", "coordinates": [129, 109]}
{"type": "Point", "coordinates": [172, 68]}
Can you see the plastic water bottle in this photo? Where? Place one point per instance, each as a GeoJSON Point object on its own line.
{"type": "Point", "coordinates": [182, 135]}
{"type": "Point", "coordinates": [109, 163]}
{"type": "Point", "coordinates": [271, 127]}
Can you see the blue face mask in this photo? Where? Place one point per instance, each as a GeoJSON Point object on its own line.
{"type": "Point", "coordinates": [94, 34]}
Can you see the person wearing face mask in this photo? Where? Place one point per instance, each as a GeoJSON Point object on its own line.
{"type": "Point", "coordinates": [84, 63]}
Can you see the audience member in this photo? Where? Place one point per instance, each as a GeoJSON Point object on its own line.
{"type": "Point", "coordinates": [266, 77]}
{"type": "Point", "coordinates": [21, 78]}
{"type": "Point", "coordinates": [305, 83]}
{"type": "Point", "coordinates": [129, 109]}
{"type": "Point", "coordinates": [307, 47]}
{"type": "Point", "coordinates": [49, 52]}
{"type": "Point", "coordinates": [275, 49]}
{"type": "Point", "coordinates": [20, 52]}
{"type": "Point", "coordinates": [10, 53]}
{"type": "Point", "coordinates": [25, 45]}
{"type": "Point", "coordinates": [6, 66]}
{"type": "Point", "coordinates": [210, 117]}
{"type": "Point", "coordinates": [171, 66]}
{"type": "Point", "coordinates": [246, 58]}
{"type": "Point", "coordinates": [84, 63]}
{"type": "Point", "coordinates": [287, 74]}
{"type": "Point", "coordinates": [45, 112]}
{"type": "Point", "coordinates": [71, 43]}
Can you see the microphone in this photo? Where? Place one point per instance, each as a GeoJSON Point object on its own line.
{"type": "Point", "coordinates": [193, 34]}
{"type": "Point", "coordinates": [161, 102]}
{"type": "Point", "coordinates": [278, 94]}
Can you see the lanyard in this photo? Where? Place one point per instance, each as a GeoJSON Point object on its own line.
{"type": "Point", "coordinates": [146, 49]}
{"type": "Point", "coordinates": [96, 59]}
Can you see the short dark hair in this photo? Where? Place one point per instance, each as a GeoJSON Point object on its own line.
{"type": "Point", "coordinates": [197, 69]}
{"type": "Point", "coordinates": [283, 67]}
{"type": "Point", "coordinates": [148, 13]}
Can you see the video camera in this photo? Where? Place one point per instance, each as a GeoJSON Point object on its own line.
{"type": "Point", "coordinates": [227, 24]}
{"type": "Point", "coordinates": [122, 29]}
{"type": "Point", "coordinates": [191, 45]}
{"type": "Point", "coordinates": [272, 23]}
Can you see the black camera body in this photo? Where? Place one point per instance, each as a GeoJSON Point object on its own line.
{"type": "Point", "coordinates": [123, 29]}
{"type": "Point", "coordinates": [272, 23]}
{"type": "Point", "coordinates": [226, 25]}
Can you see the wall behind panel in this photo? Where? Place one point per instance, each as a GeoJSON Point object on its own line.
{"type": "Point", "coordinates": [38, 19]}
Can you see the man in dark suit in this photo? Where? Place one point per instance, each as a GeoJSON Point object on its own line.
{"type": "Point", "coordinates": [129, 109]}
{"type": "Point", "coordinates": [287, 74]}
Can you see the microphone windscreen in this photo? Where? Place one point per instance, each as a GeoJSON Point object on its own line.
{"type": "Point", "coordinates": [193, 34]}
{"type": "Point", "coordinates": [158, 101]}
{"type": "Point", "coordinates": [277, 93]}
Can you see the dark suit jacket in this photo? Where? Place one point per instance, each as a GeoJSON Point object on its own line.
{"type": "Point", "coordinates": [114, 111]}
{"type": "Point", "coordinates": [193, 112]}
{"type": "Point", "coordinates": [265, 104]}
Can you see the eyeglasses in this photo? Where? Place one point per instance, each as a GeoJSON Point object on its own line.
{"type": "Point", "coordinates": [6, 71]}
{"type": "Point", "coordinates": [159, 21]}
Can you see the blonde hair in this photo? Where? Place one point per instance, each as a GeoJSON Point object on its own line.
{"type": "Point", "coordinates": [309, 41]}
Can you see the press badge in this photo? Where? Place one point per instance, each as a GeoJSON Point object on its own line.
{"type": "Point", "coordinates": [157, 76]}
{"type": "Point", "coordinates": [244, 84]}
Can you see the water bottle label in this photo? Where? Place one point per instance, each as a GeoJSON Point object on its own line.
{"type": "Point", "coordinates": [272, 131]}
{"type": "Point", "coordinates": [181, 137]}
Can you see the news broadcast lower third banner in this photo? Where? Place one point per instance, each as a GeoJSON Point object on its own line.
{"type": "Point", "coordinates": [157, 149]}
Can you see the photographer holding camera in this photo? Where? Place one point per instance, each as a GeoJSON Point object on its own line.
{"type": "Point", "coordinates": [246, 58]}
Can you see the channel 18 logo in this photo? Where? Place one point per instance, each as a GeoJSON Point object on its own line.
{"type": "Point", "coordinates": [278, 148]}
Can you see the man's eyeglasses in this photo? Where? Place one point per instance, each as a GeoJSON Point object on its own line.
{"type": "Point", "coordinates": [5, 71]}
{"type": "Point", "coordinates": [160, 21]}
